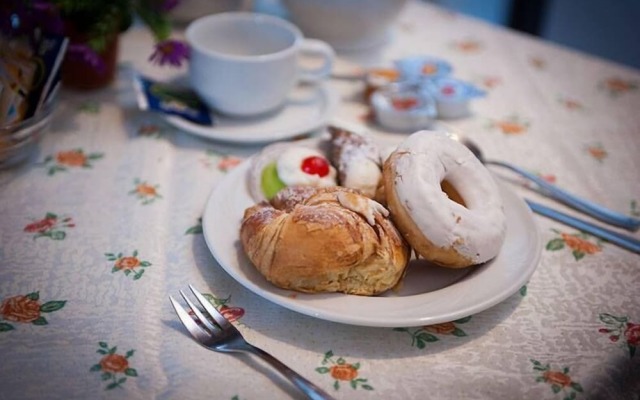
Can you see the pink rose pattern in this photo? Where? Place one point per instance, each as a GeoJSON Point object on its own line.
{"type": "Point", "coordinates": [51, 226]}
{"type": "Point", "coordinates": [231, 313]}
{"type": "Point", "coordinates": [622, 331]}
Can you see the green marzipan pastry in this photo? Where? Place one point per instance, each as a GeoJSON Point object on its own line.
{"type": "Point", "coordinates": [270, 182]}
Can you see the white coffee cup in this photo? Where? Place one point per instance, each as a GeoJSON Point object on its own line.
{"type": "Point", "coordinates": [246, 64]}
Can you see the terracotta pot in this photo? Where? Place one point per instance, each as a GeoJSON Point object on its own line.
{"type": "Point", "coordinates": [81, 75]}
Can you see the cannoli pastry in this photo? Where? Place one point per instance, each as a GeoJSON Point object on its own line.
{"type": "Point", "coordinates": [357, 160]}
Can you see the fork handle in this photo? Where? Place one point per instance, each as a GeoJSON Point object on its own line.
{"type": "Point", "coordinates": [626, 242]}
{"type": "Point", "coordinates": [595, 210]}
{"type": "Point", "coordinates": [309, 389]}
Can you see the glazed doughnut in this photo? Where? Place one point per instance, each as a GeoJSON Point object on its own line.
{"type": "Point", "coordinates": [324, 240]}
{"type": "Point", "coordinates": [444, 201]}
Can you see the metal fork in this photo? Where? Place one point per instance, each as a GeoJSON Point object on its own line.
{"type": "Point", "coordinates": [223, 337]}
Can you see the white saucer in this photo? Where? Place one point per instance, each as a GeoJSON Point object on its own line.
{"type": "Point", "coordinates": [307, 109]}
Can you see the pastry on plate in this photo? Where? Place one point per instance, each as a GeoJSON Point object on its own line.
{"type": "Point", "coordinates": [444, 201]}
{"type": "Point", "coordinates": [357, 160]}
{"type": "Point", "coordinates": [287, 164]}
{"type": "Point", "coordinates": [324, 240]}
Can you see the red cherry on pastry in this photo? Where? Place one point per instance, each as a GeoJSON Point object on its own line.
{"type": "Point", "coordinates": [315, 165]}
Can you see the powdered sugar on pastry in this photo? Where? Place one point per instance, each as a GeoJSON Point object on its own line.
{"type": "Point", "coordinates": [366, 207]}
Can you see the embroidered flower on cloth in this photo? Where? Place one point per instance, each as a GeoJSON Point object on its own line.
{"type": "Point", "coordinates": [622, 331]}
{"type": "Point", "coordinates": [617, 86]}
{"type": "Point", "coordinates": [467, 46]}
{"type": "Point", "coordinates": [225, 162]}
{"type": "Point", "coordinates": [26, 309]}
{"type": "Point", "coordinates": [64, 160]}
{"type": "Point", "coordinates": [232, 314]}
{"type": "Point", "coordinates": [597, 151]}
{"type": "Point", "coordinates": [145, 192]}
{"type": "Point", "coordinates": [128, 264]}
{"type": "Point", "coordinates": [578, 243]}
{"type": "Point", "coordinates": [50, 226]}
{"type": "Point", "coordinates": [512, 125]}
{"type": "Point", "coordinates": [427, 334]}
{"type": "Point", "coordinates": [342, 371]}
{"type": "Point", "coordinates": [547, 177]}
{"type": "Point", "coordinates": [488, 81]}
{"type": "Point", "coordinates": [559, 380]}
{"type": "Point", "coordinates": [538, 62]}
{"type": "Point", "coordinates": [114, 367]}
{"type": "Point", "coordinates": [570, 103]}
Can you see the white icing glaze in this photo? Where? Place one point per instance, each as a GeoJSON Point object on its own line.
{"type": "Point", "coordinates": [476, 231]}
{"type": "Point", "coordinates": [290, 172]}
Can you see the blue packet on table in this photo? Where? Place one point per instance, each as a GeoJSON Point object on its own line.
{"type": "Point", "coordinates": [171, 99]}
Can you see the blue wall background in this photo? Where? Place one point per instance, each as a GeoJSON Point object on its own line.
{"type": "Point", "coordinates": [606, 28]}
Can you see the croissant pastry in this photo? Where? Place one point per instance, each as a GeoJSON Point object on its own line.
{"type": "Point", "coordinates": [324, 240]}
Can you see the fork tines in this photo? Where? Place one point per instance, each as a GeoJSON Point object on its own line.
{"type": "Point", "coordinates": [192, 324]}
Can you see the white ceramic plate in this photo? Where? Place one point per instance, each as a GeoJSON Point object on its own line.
{"type": "Point", "coordinates": [428, 295]}
{"type": "Point", "coordinates": [307, 109]}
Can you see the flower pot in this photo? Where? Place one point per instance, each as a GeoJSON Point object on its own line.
{"type": "Point", "coordinates": [82, 70]}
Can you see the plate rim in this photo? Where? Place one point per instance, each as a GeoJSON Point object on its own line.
{"type": "Point", "coordinates": [283, 298]}
{"type": "Point", "coordinates": [329, 104]}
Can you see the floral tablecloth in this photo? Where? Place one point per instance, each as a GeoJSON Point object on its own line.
{"type": "Point", "coordinates": [103, 223]}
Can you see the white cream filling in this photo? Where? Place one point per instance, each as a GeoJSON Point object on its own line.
{"type": "Point", "coordinates": [289, 167]}
{"type": "Point", "coordinates": [363, 175]}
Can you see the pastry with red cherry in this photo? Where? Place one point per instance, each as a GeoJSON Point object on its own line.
{"type": "Point", "coordinates": [281, 165]}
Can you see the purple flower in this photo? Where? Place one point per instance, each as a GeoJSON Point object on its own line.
{"type": "Point", "coordinates": [171, 52]}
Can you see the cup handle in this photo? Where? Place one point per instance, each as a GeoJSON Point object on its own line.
{"type": "Point", "coordinates": [316, 48]}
